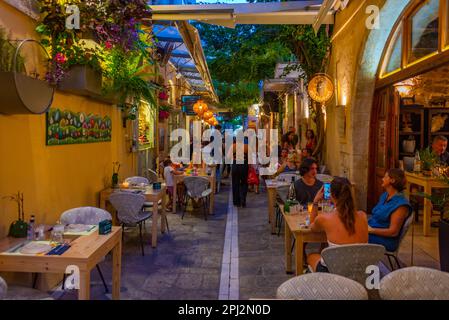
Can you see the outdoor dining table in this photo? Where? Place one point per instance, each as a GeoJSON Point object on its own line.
{"type": "Point", "coordinates": [85, 253]}
{"type": "Point", "coordinates": [302, 235]}
{"type": "Point", "coordinates": [428, 183]}
{"type": "Point", "coordinates": [178, 178]}
{"type": "Point", "coordinates": [151, 195]}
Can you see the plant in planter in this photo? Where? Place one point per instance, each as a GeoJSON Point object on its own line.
{"type": "Point", "coordinates": [18, 228]}
{"type": "Point", "coordinates": [126, 77]}
{"type": "Point", "coordinates": [23, 90]}
{"type": "Point", "coordinates": [428, 160]}
{"type": "Point", "coordinates": [164, 112]}
{"type": "Point", "coordinates": [163, 95]}
{"type": "Point", "coordinates": [440, 201]}
{"type": "Point", "coordinates": [115, 171]}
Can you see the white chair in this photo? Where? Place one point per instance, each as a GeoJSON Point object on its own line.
{"type": "Point", "coordinates": [324, 177]}
{"type": "Point", "coordinates": [136, 180]}
{"type": "Point", "coordinates": [197, 188]}
{"type": "Point", "coordinates": [152, 176]}
{"type": "Point", "coordinates": [86, 215]}
{"type": "Point", "coordinates": [351, 260]}
{"type": "Point", "coordinates": [406, 226]}
{"type": "Point", "coordinates": [287, 177]}
{"type": "Point", "coordinates": [415, 283]}
{"type": "Point", "coordinates": [21, 293]}
{"type": "Point", "coordinates": [130, 211]}
{"type": "Point", "coordinates": [321, 286]}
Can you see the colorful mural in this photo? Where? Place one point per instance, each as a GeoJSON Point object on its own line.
{"type": "Point", "coordinates": [67, 127]}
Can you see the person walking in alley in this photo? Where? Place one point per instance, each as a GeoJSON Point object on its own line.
{"type": "Point", "coordinates": [239, 174]}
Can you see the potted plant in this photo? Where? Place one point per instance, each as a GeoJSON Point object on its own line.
{"type": "Point", "coordinates": [22, 92]}
{"type": "Point", "coordinates": [440, 201]}
{"type": "Point", "coordinates": [163, 95]}
{"type": "Point", "coordinates": [18, 228]}
{"type": "Point", "coordinates": [428, 160]}
{"type": "Point", "coordinates": [115, 171]}
{"type": "Point", "coordinates": [164, 112]}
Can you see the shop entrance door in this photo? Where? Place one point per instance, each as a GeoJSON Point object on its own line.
{"type": "Point", "coordinates": [383, 140]}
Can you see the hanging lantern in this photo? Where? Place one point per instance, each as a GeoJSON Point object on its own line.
{"type": "Point", "coordinates": [207, 115]}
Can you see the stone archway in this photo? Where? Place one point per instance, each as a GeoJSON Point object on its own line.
{"type": "Point", "coordinates": [363, 94]}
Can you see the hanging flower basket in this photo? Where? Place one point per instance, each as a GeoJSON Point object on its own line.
{"type": "Point", "coordinates": [163, 114]}
{"type": "Point", "coordinates": [163, 95]}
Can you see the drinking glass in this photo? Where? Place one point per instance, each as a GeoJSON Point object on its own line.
{"type": "Point", "coordinates": [310, 207]}
{"type": "Point", "coordinates": [57, 234]}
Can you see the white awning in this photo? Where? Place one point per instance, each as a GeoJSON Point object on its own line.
{"type": "Point", "coordinates": [229, 15]}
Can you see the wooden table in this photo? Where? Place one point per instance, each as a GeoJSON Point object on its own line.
{"type": "Point", "coordinates": [85, 253]}
{"type": "Point", "coordinates": [302, 236]}
{"type": "Point", "coordinates": [151, 195]}
{"type": "Point", "coordinates": [428, 183]}
{"type": "Point", "coordinates": [178, 178]}
{"type": "Point", "coordinates": [272, 186]}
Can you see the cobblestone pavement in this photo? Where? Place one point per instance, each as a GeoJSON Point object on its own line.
{"type": "Point", "coordinates": [261, 262]}
{"type": "Point", "coordinates": [186, 264]}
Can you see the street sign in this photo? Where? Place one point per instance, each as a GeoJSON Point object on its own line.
{"type": "Point", "coordinates": [187, 103]}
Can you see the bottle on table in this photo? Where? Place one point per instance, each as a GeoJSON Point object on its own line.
{"type": "Point", "coordinates": [30, 231]}
{"type": "Point", "coordinates": [291, 190]}
{"type": "Point", "coordinates": [417, 163]}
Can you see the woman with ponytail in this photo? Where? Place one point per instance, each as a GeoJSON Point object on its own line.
{"type": "Point", "coordinates": [344, 225]}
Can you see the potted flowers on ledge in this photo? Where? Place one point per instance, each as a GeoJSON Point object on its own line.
{"type": "Point", "coordinates": [120, 54]}
{"type": "Point", "coordinates": [164, 112]}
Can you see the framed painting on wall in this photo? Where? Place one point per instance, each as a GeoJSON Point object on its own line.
{"type": "Point", "coordinates": [67, 127]}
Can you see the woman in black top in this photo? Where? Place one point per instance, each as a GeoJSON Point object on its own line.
{"type": "Point", "coordinates": [308, 186]}
{"type": "Point", "coordinates": [239, 177]}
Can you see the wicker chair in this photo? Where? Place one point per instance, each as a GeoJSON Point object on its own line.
{"type": "Point", "coordinates": [152, 176]}
{"type": "Point", "coordinates": [86, 215]}
{"type": "Point", "coordinates": [21, 293]}
{"type": "Point", "coordinates": [351, 260]}
{"type": "Point", "coordinates": [321, 286]}
{"type": "Point", "coordinates": [415, 283]}
{"type": "Point", "coordinates": [197, 188]}
{"type": "Point", "coordinates": [130, 211]}
{"type": "Point", "coordinates": [137, 181]}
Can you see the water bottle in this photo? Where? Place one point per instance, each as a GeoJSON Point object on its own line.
{"type": "Point", "coordinates": [30, 232]}
{"type": "Point", "coordinates": [291, 190]}
{"type": "Point", "coordinates": [417, 163]}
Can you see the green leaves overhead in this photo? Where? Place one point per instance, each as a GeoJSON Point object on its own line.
{"type": "Point", "coordinates": [240, 58]}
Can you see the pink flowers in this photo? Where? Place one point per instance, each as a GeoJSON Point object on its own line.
{"type": "Point", "coordinates": [60, 58]}
{"type": "Point", "coordinates": [163, 95]}
{"type": "Point", "coordinates": [108, 45]}
{"type": "Point", "coordinates": [163, 115]}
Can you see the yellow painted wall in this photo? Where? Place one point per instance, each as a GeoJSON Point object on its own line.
{"type": "Point", "coordinates": [54, 178]}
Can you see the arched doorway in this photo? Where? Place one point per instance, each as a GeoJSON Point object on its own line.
{"type": "Point", "coordinates": [418, 44]}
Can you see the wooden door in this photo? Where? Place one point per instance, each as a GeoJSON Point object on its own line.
{"type": "Point", "coordinates": [384, 139]}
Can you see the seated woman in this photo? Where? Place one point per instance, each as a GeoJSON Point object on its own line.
{"type": "Point", "coordinates": [289, 166]}
{"type": "Point", "coordinates": [345, 225]}
{"type": "Point", "coordinates": [389, 215]}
